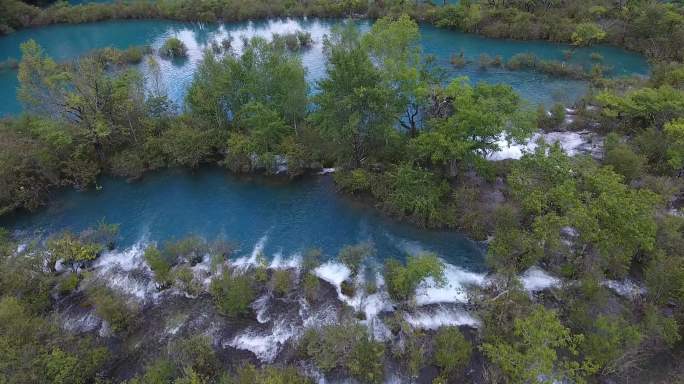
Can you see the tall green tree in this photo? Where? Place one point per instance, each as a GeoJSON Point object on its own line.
{"type": "Point", "coordinates": [394, 47]}
{"type": "Point", "coordinates": [482, 116]}
{"type": "Point", "coordinates": [353, 107]}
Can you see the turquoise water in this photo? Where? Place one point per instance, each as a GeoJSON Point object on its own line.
{"type": "Point", "coordinates": [68, 41]}
{"type": "Point", "coordinates": [286, 217]}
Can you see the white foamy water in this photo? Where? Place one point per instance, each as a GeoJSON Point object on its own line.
{"type": "Point", "coordinates": [292, 262]}
{"type": "Point", "coordinates": [536, 279]}
{"type": "Point", "coordinates": [260, 307]}
{"type": "Point", "coordinates": [326, 171]}
{"type": "Point", "coordinates": [441, 316]}
{"type": "Point", "coordinates": [572, 142]}
{"type": "Point", "coordinates": [625, 288]}
{"type": "Point", "coordinates": [265, 345]}
{"type": "Point", "coordinates": [83, 323]}
{"type": "Point", "coordinates": [453, 291]}
{"type": "Point", "coordinates": [245, 262]}
{"type": "Point", "coordinates": [334, 273]}
{"type": "Point", "coordinates": [127, 272]}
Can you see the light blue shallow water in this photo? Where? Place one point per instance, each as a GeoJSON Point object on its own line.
{"type": "Point", "coordinates": [65, 42]}
{"type": "Point", "coordinates": [287, 217]}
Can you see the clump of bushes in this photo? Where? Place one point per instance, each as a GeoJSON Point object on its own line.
{"type": "Point", "coordinates": [402, 280]}
{"type": "Point", "coordinates": [346, 346]}
{"type": "Point", "coordinates": [529, 61]}
{"type": "Point", "coordinates": [232, 294]}
{"type": "Point", "coordinates": [353, 256]}
{"type": "Point", "coordinates": [113, 308]}
{"type": "Point", "coordinates": [160, 266]}
{"type": "Point", "coordinates": [294, 41]}
{"type": "Point", "coordinates": [72, 251]}
{"type": "Point", "coordinates": [173, 48]}
{"type": "Point", "coordinates": [452, 350]}
{"type": "Point", "coordinates": [281, 282]}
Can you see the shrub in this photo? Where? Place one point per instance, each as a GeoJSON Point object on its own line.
{"type": "Point", "coordinates": [249, 374]}
{"type": "Point", "coordinates": [623, 159]}
{"type": "Point", "coordinates": [159, 372]}
{"type": "Point", "coordinates": [173, 48]}
{"type": "Point", "coordinates": [159, 265]}
{"type": "Point", "coordinates": [186, 281]}
{"type": "Point", "coordinates": [191, 248]}
{"type": "Point", "coordinates": [69, 283]}
{"type": "Point", "coordinates": [112, 308]}
{"type": "Point", "coordinates": [452, 350]}
{"type": "Point", "coordinates": [73, 251]}
{"type": "Point", "coordinates": [402, 281]}
{"type": "Point", "coordinates": [355, 181]}
{"type": "Point", "coordinates": [353, 256]}
{"type": "Point", "coordinates": [282, 282]}
{"type": "Point", "coordinates": [232, 294]}
{"type": "Point", "coordinates": [458, 60]}
{"type": "Point", "coordinates": [312, 259]}
{"type": "Point", "coordinates": [196, 354]}
{"type": "Point", "coordinates": [345, 346]}
{"type": "Point", "coordinates": [366, 360]}
{"type": "Point", "coordinates": [311, 286]}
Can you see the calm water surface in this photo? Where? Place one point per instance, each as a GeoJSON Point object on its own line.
{"type": "Point", "coordinates": [286, 218]}
{"type": "Point", "coordinates": [65, 42]}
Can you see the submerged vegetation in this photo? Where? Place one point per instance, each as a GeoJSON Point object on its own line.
{"type": "Point", "coordinates": [398, 134]}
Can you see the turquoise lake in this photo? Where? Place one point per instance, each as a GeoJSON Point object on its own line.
{"type": "Point", "coordinates": [65, 42]}
{"type": "Point", "coordinates": [286, 218]}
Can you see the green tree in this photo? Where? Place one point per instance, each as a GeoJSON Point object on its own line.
{"type": "Point", "coordinates": [351, 107]}
{"type": "Point", "coordinates": [393, 46]}
{"type": "Point", "coordinates": [482, 116]}
{"type": "Point", "coordinates": [541, 349]}
{"type": "Point", "coordinates": [264, 73]}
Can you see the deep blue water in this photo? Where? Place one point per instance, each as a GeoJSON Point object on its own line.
{"type": "Point", "coordinates": [64, 42]}
{"type": "Point", "coordinates": [290, 217]}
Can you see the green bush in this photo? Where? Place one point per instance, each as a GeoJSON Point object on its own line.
{"type": "Point", "coordinates": [72, 251]}
{"type": "Point", "coordinates": [197, 354]}
{"type": "Point", "coordinates": [354, 181]}
{"type": "Point", "coordinates": [353, 256]}
{"type": "Point", "coordinates": [365, 361]}
{"type": "Point", "coordinates": [232, 294]}
{"type": "Point", "coordinates": [345, 346]}
{"type": "Point", "coordinates": [191, 248]}
{"type": "Point", "coordinates": [68, 283]}
{"type": "Point", "coordinates": [113, 308]}
{"type": "Point", "coordinates": [311, 285]}
{"type": "Point", "coordinates": [402, 281]}
{"type": "Point", "coordinates": [249, 374]}
{"type": "Point", "coordinates": [282, 282]}
{"type": "Point", "coordinates": [452, 350]}
{"type": "Point", "coordinates": [173, 48]}
{"type": "Point", "coordinates": [159, 265]}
